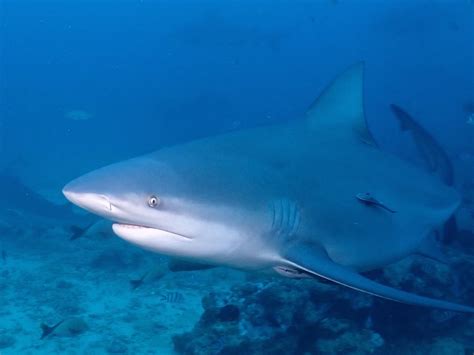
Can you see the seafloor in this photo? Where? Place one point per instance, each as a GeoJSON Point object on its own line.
{"type": "Point", "coordinates": [47, 278]}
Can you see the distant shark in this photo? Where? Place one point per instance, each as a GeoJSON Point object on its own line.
{"type": "Point", "coordinates": [15, 196]}
{"type": "Point", "coordinates": [435, 159]}
{"type": "Point", "coordinates": [433, 155]}
{"type": "Point", "coordinates": [313, 197]}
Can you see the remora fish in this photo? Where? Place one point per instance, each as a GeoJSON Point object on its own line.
{"type": "Point", "coordinates": [279, 198]}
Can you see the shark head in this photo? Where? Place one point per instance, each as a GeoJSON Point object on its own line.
{"type": "Point", "coordinates": [174, 209]}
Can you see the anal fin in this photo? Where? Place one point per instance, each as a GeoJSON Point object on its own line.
{"type": "Point", "coordinates": [431, 248]}
{"type": "Point", "coordinates": [316, 261]}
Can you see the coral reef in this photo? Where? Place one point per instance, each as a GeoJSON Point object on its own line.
{"type": "Point", "coordinates": [278, 316]}
{"type": "Point", "coordinates": [314, 317]}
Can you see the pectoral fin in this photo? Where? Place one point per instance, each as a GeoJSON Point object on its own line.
{"type": "Point", "coordinates": [315, 261]}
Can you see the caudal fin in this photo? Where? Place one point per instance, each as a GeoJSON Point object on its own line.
{"type": "Point", "coordinates": [430, 151]}
{"type": "Point", "coordinates": [47, 330]}
{"type": "Point", "coordinates": [450, 230]}
{"type": "Point", "coordinates": [134, 284]}
{"type": "Point", "coordinates": [435, 159]}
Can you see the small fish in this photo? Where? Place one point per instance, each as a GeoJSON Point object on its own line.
{"type": "Point", "coordinates": [156, 272]}
{"type": "Point", "coordinates": [67, 327]}
{"type": "Point", "coordinates": [369, 322]}
{"type": "Point", "coordinates": [135, 283]}
{"type": "Point", "coordinates": [47, 330]}
{"type": "Point", "coordinates": [172, 297]}
{"type": "Point", "coordinates": [4, 256]}
{"type": "Point", "coordinates": [368, 199]}
{"type": "Point", "coordinates": [468, 107]}
{"type": "Point", "coordinates": [470, 119]}
{"type": "Point", "coordinates": [78, 232]}
{"type": "Point", "coordinates": [78, 115]}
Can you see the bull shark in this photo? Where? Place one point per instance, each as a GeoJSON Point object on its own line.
{"type": "Point", "coordinates": [284, 198]}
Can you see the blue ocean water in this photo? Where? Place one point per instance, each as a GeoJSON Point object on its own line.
{"type": "Point", "coordinates": [87, 83]}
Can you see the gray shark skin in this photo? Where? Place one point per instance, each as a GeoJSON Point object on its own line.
{"type": "Point", "coordinates": [281, 198]}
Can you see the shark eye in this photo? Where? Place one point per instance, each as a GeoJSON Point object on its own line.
{"type": "Point", "coordinates": [153, 201]}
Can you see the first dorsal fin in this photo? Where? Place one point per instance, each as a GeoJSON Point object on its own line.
{"type": "Point", "coordinates": [341, 106]}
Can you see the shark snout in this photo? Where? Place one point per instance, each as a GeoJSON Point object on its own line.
{"type": "Point", "coordinates": [93, 202]}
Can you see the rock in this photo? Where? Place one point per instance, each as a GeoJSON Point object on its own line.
{"type": "Point", "coordinates": [305, 316]}
{"type": "Point", "coordinates": [335, 325]}
{"type": "Point", "coordinates": [313, 313]}
{"type": "Point", "coordinates": [446, 346]}
{"type": "Point", "coordinates": [376, 340]}
{"type": "Point", "coordinates": [353, 342]}
{"type": "Point", "coordinates": [228, 313]}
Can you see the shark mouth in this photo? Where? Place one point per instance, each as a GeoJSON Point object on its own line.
{"type": "Point", "coordinates": [138, 234]}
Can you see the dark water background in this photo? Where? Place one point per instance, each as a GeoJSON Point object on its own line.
{"type": "Point", "coordinates": [152, 73]}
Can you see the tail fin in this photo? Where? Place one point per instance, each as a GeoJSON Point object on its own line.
{"type": "Point", "coordinates": [450, 230]}
{"type": "Point", "coordinates": [134, 284]}
{"type": "Point", "coordinates": [430, 248]}
{"type": "Point", "coordinates": [47, 330]}
{"type": "Point", "coordinates": [76, 232]}
{"type": "Point", "coordinates": [435, 158]}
